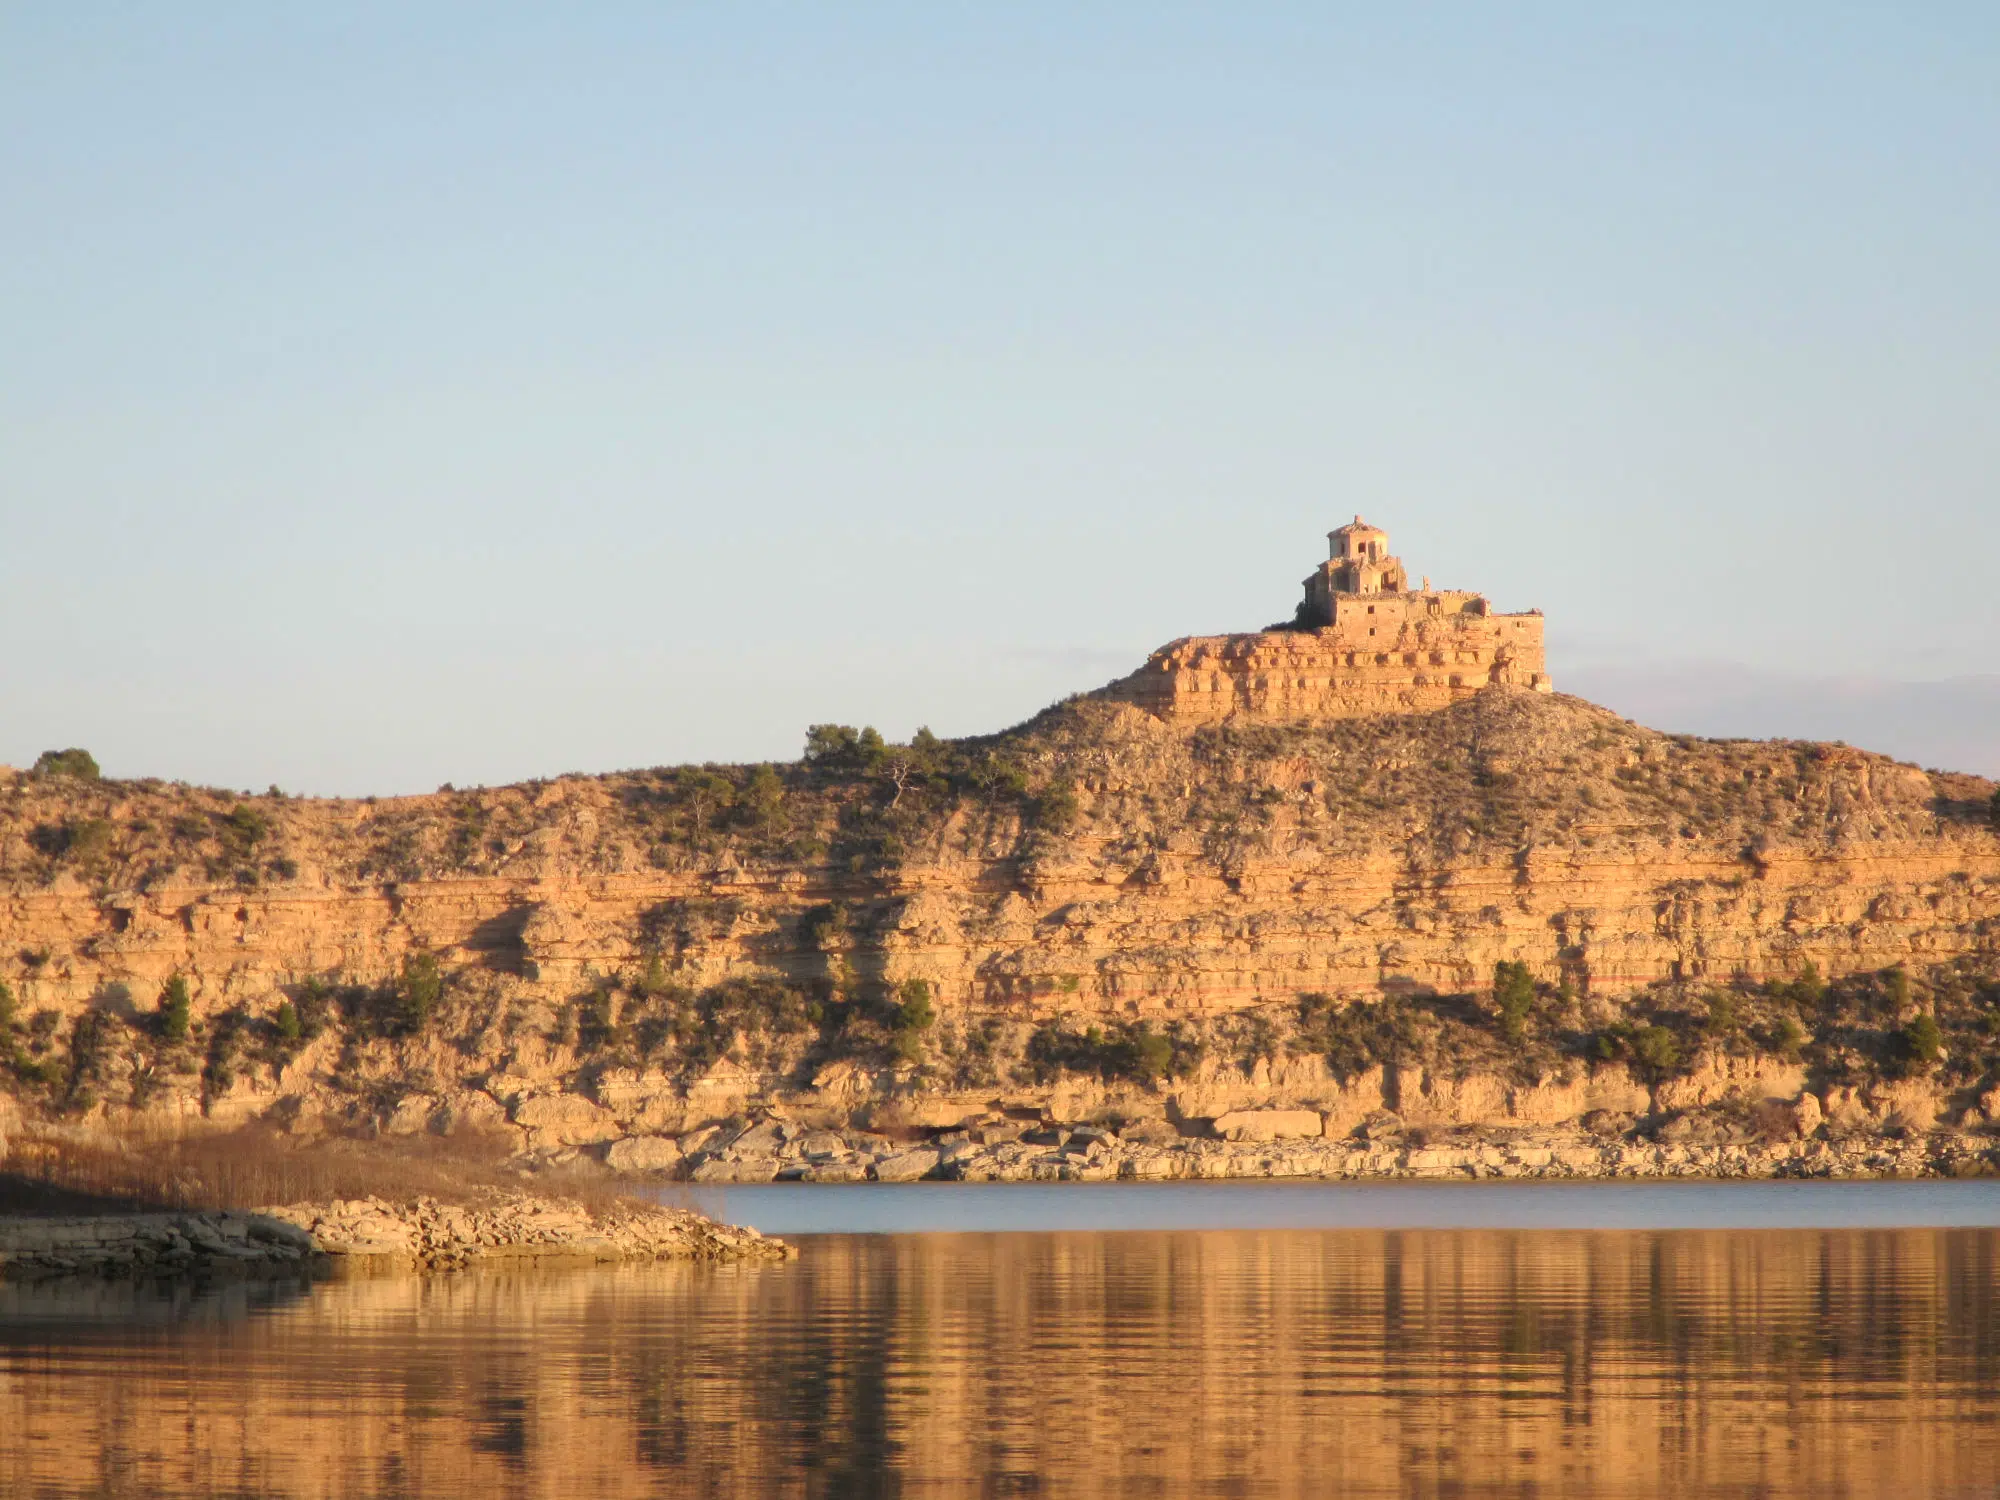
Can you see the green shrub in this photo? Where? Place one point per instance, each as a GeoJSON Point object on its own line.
{"type": "Point", "coordinates": [419, 991]}
{"type": "Point", "coordinates": [1000, 778]}
{"type": "Point", "coordinates": [914, 1011]}
{"type": "Point", "coordinates": [174, 1010]}
{"type": "Point", "coordinates": [1787, 1039]}
{"type": "Point", "coordinates": [1054, 809]}
{"type": "Point", "coordinates": [91, 1037]}
{"type": "Point", "coordinates": [1896, 988]}
{"type": "Point", "coordinates": [763, 801]}
{"type": "Point", "coordinates": [1722, 1020]}
{"type": "Point", "coordinates": [841, 747]}
{"type": "Point", "coordinates": [1152, 1055]}
{"type": "Point", "coordinates": [83, 840]}
{"type": "Point", "coordinates": [243, 829]}
{"type": "Point", "coordinates": [313, 1003]}
{"type": "Point", "coordinates": [1808, 989]}
{"type": "Point", "coordinates": [1134, 1052]}
{"type": "Point", "coordinates": [700, 1028]}
{"type": "Point", "coordinates": [1922, 1041]}
{"type": "Point", "coordinates": [225, 1041]}
{"type": "Point", "coordinates": [910, 1018]}
{"type": "Point", "coordinates": [1514, 997]}
{"type": "Point", "coordinates": [1653, 1051]}
{"type": "Point", "coordinates": [73, 762]}
{"type": "Point", "coordinates": [821, 926]}
{"type": "Point", "coordinates": [1656, 1050]}
{"type": "Point", "coordinates": [652, 981]}
{"type": "Point", "coordinates": [285, 1021]}
{"type": "Point", "coordinates": [1356, 1036]}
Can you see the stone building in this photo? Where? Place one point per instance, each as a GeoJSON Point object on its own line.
{"type": "Point", "coordinates": [1360, 564]}
{"type": "Point", "coordinates": [1365, 643]}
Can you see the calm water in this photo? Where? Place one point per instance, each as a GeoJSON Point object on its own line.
{"type": "Point", "coordinates": [922, 1208]}
{"type": "Point", "coordinates": [1277, 1357]}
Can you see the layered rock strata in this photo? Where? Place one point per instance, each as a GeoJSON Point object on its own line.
{"type": "Point", "coordinates": [1420, 652]}
{"type": "Point", "coordinates": [629, 961]}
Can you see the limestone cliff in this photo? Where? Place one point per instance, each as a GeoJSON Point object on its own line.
{"type": "Point", "coordinates": [1104, 910]}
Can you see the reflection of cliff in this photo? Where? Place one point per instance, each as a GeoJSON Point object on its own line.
{"type": "Point", "coordinates": [1275, 1363]}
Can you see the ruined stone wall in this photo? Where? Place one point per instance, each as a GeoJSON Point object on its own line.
{"type": "Point", "coordinates": [1384, 653]}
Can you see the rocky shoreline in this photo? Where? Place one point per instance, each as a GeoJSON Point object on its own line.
{"type": "Point", "coordinates": [775, 1151]}
{"type": "Point", "coordinates": [369, 1235]}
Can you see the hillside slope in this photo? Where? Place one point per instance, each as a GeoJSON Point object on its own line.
{"type": "Point", "coordinates": [1095, 912]}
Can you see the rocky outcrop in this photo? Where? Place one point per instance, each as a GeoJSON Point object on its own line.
{"type": "Point", "coordinates": [1299, 1143]}
{"type": "Point", "coordinates": [369, 1233]}
{"type": "Point", "coordinates": [1432, 651]}
{"type": "Point", "coordinates": [625, 963]}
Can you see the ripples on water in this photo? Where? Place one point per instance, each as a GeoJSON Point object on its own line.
{"type": "Point", "coordinates": [1447, 1362]}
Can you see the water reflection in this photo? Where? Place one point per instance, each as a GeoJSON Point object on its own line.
{"type": "Point", "coordinates": [1407, 1363]}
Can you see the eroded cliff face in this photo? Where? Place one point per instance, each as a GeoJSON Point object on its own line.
{"type": "Point", "coordinates": [1382, 654]}
{"type": "Point", "coordinates": [650, 952]}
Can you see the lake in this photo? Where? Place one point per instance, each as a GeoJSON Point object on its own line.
{"type": "Point", "coordinates": [1762, 1340]}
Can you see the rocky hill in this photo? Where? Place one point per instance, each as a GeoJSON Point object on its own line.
{"type": "Point", "coordinates": [1515, 911]}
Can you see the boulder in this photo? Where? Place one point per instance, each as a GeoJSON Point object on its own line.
{"type": "Point", "coordinates": [1716, 1078]}
{"type": "Point", "coordinates": [926, 1114]}
{"type": "Point", "coordinates": [764, 1138]}
{"type": "Point", "coordinates": [737, 1169]}
{"type": "Point", "coordinates": [1424, 1097]}
{"type": "Point", "coordinates": [565, 1120]}
{"type": "Point", "coordinates": [469, 1110]}
{"type": "Point", "coordinates": [1348, 1103]}
{"type": "Point", "coordinates": [906, 1166]}
{"type": "Point", "coordinates": [644, 1103]}
{"type": "Point", "coordinates": [1907, 1104]}
{"type": "Point", "coordinates": [643, 1153]}
{"type": "Point", "coordinates": [411, 1116]}
{"type": "Point", "coordinates": [1269, 1124]}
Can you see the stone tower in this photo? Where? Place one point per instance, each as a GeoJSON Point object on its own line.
{"type": "Point", "coordinates": [1359, 563]}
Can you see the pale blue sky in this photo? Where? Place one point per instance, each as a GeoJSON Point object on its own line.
{"type": "Point", "coordinates": [393, 393]}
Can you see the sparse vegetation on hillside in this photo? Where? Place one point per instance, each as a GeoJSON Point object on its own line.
{"type": "Point", "coordinates": [1506, 772]}
{"type": "Point", "coordinates": [778, 908]}
{"type": "Point", "coordinates": [175, 1010]}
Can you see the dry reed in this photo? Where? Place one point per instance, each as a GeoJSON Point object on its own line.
{"type": "Point", "coordinates": [62, 1169]}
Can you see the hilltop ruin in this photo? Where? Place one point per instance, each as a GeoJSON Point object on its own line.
{"type": "Point", "coordinates": [1363, 642]}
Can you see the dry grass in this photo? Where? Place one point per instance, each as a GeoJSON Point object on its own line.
{"type": "Point", "coordinates": [54, 1169]}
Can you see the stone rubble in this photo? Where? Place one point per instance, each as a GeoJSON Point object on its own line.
{"type": "Point", "coordinates": [370, 1233]}
{"type": "Point", "coordinates": [778, 1150]}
